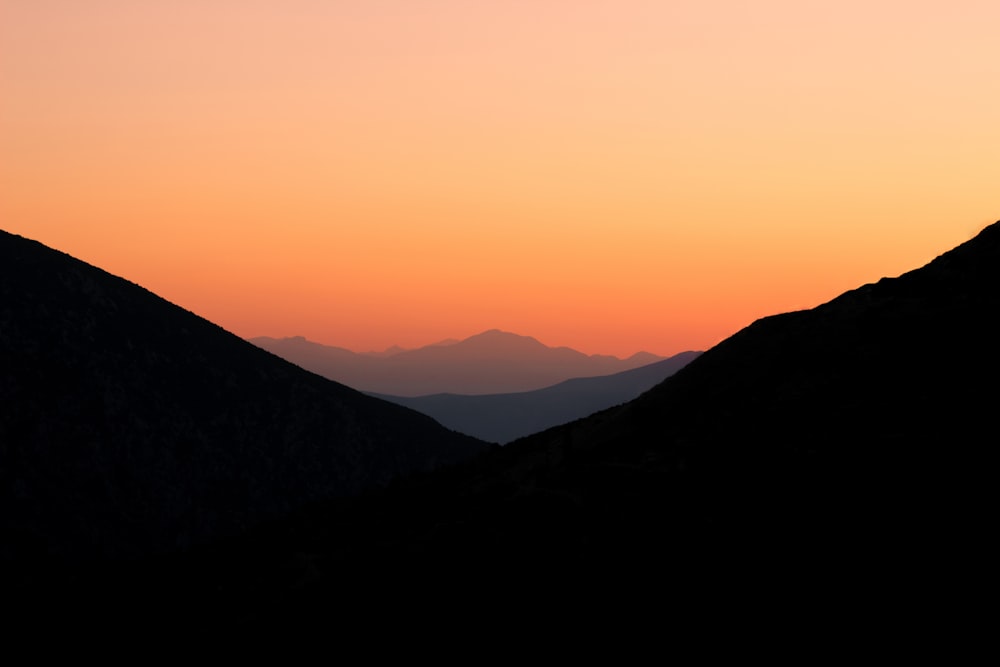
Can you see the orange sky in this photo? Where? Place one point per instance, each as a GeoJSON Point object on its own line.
{"type": "Point", "coordinates": [609, 175]}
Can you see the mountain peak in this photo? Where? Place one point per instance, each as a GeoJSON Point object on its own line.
{"type": "Point", "coordinates": [498, 336]}
{"type": "Point", "coordinates": [491, 362]}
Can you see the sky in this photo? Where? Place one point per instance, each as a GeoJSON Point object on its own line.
{"type": "Point", "coordinates": [610, 175]}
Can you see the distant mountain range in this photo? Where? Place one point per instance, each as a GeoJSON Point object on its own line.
{"type": "Point", "coordinates": [493, 362]}
{"type": "Point", "coordinates": [129, 426]}
{"type": "Point", "coordinates": [502, 418]}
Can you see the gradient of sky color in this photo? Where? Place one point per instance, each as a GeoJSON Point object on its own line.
{"type": "Point", "coordinates": [610, 175]}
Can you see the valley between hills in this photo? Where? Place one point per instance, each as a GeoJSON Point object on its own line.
{"type": "Point", "coordinates": [495, 386]}
{"type": "Point", "coordinates": [152, 459]}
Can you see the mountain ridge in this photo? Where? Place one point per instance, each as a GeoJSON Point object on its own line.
{"type": "Point", "coordinates": [825, 451]}
{"type": "Point", "coordinates": [132, 426]}
{"type": "Point", "coordinates": [844, 453]}
{"type": "Point", "coordinates": [493, 361]}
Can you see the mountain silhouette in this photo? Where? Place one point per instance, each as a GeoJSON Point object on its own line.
{"type": "Point", "coordinates": [491, 362]}
{"type": "Point", "coordinates": [130, 426]}
{"type": "Point", "coordinates": [835, 452]}
{"type": "Point", "coordinates": [844, 453]}
{"type": "Point", "coordinates": [502, 418]}
{"type": "Point", "coordinates": [862, 421]}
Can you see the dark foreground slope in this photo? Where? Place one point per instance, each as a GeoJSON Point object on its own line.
{"type": "Point", "coordinates": [854, 441]}
{"type": "Point", "coordinates": [129, 426]}
{"type": "Point", "coordinates": [844, 453]}
{"type": "Point", "coordinates": [506, 417]}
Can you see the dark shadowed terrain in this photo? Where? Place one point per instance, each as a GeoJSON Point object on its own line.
{"type": "Point", "coordinates": [844, 453]}
{"type": "Point", "coordinates": [130, 427]}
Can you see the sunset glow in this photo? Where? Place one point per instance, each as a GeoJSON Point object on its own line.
{"type": "Point", "coordinates": [612, 176]}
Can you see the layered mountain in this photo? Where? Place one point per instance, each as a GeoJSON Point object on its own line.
{"type": "Point", "coordinates": [846, 450]}
{"type": "Point", "coordinates": [502, 418]}
{"type": "Point", "coordinates": [130, 426]}
{"type": "Point", "coordinates": [488, 363]}
{"type": "Point", "coordinates": [844, 453]}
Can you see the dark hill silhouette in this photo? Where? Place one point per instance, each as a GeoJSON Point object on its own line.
{"type": "Point", "coordinates": [842, 452]}
{"type": "Point", "coordinates": [488, 363]}
{"type": "Point", "coordinates": [130, 426]}
{"type": "Point", "coordinates": [502, 418]}
{"type": "Point", "coordinates": [864, 421]}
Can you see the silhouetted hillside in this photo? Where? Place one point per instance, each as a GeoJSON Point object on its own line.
{"type": "Point", "coordinates": [844, 453]}
{"type": "Point", "coordinates": [129, 426]}
{"type": "Point", "coordinates": [488, 363]}
{"type": "Point", "coordinates": [843, 450]}
{"type": "Point", "coordinates": [863, 421]}
{"type": "Point", "coordinates": [505, 417]}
